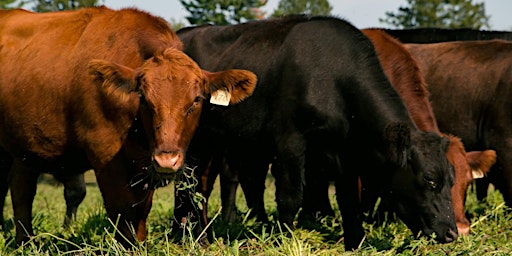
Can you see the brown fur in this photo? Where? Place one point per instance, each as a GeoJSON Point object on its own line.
{"type": "Point", "coordinates": [70, 90]}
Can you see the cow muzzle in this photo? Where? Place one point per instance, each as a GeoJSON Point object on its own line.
{"type": "Point", "coordinates": [168, 161]}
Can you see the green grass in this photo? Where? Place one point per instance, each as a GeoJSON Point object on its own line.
{"type": "Point", "coordinates": [92, 233]}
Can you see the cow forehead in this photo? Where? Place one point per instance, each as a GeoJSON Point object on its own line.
{"type": "Point", "coordinates": [168, 72]}
{"type": "Point", "coordinates": [171, 65]}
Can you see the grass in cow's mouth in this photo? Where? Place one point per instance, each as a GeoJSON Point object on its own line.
{"type": "Point", "coordinates": [93, 234]}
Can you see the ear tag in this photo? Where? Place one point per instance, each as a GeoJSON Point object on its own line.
{"type": "Point", "coordinates": [477, 174]}
{"type": "Point", "coordinates": [220, 97]}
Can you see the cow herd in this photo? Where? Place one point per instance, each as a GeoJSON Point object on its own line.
{"type": "Point", "coordinates": [315, 98]}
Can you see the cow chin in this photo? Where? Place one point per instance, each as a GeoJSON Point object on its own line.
{"type": "Point", "coordinates": [160, 177]}
{"type": "Point", "coordinates": [164, 171]}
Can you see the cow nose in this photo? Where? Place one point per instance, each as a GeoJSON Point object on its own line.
{"type": "Point", "coordinates": [450, 236]}
{"type": "Point", "coordinates": [169, 161]}
{"type": "Point", "coordinates": [463, 228]}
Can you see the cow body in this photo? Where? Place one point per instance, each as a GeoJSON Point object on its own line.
{"type": "Point", "coordinates": [101, 89]}
{"type": "Point", "coordinates": [437, 35]}
{"type": "Point", "coordinates": [470, 90]}
{"type": "Point", "coordinates": [321, 95]}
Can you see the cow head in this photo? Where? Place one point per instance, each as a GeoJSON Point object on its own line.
{"type": "Point", "coordinates": [172, 90]}
{"type": "Point", "coordinates": [421, 182]}
{"type": "Point", "coordinates": [468, 166]}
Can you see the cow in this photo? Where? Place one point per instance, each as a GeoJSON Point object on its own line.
{"type": "Point", "coordinates": [405, 76]}
{"type": "Point", "coordinates": [469, 85]}
{"type": "Point", "coordinates": [321, 93]}
{"type": "Point", "coordinates": [437, 35]}
{"type": "Point", "coordinates": [102, 89]}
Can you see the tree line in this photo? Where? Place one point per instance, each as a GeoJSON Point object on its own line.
{"type": "Point", "coordinates": [414, 14]}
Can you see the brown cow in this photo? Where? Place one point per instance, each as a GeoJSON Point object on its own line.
{"type": "Point", "coordinates": [102, 89]}
{"type": "Point", "coordinates": [404, 74]}
{"type": "Point", "coordinates": [470, 84]}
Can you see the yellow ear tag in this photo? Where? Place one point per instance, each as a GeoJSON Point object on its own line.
{"type": "Point", "coordinates": [220, 97]}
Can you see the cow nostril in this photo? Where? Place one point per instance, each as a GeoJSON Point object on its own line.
{"type": "Point", "coordinates": [451, 235]}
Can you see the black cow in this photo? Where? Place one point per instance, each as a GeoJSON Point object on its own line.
{"type": "Point", "coordinates": [322, 94]}
{"type": "Point", "coordinates": [470, 85]}
{"type": "Point", "coordinates": [437, 35]}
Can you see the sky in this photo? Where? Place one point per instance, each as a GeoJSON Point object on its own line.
{"type": "Point", "coordinates": [361, 13]}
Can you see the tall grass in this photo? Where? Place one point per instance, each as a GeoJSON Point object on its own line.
{"type": "Point", "coordinates": [93, 234]}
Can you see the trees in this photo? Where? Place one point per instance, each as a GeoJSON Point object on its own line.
{"type": "Point", "coordinates": [9, 4]}
{"type": "Point", "coordinates": [221, 12]}
{"type": "Point", "coordinates": [311, 7]}
{"type": "Point", "coordinates": [59, 5]}
{"type": "Point", "coordinates": [439, 13]}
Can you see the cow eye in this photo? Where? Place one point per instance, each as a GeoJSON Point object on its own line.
{"type": "Point", "coordinates": [430, 182]}
{"type": "Point", "coordinates": [191, 109]}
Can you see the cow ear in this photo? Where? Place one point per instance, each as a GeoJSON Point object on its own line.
{"type": "Point", "coordinates": [233, 85]}
{"type": "Point", "coordinates": [481, 162]}
{"type": "Point", "coordinates": [114, 78]}
{"type": "Point", "coordinates": [397, 138]}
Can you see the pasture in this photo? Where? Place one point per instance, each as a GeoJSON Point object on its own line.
{"type": "Point", "coordinates": [92, 233]}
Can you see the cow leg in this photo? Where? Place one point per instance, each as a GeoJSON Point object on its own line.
{"type": "Point", "coordinates": [23, 184]}
{"type": "Point", "coordinates": [482, 187]}
{"type": "Point", "coordinates": [252, 175]}
{"type": "Point", "coordinates": [123, 192]}
{"type": "Point", "coordinates": [501, 178]}
{"type": "Point", "coordinates": [288, 170]}
{"type": "Point", "coordinates": [228, 186]}
{"type": "Point", "coordinates": [5, 166]}
{"type": "Point", "coordinates": [206, 182]}
{"type": "Point", "coordinates": [347, 195]}
{"type": "Point", "coordinates": [316, 201]}
{"type": "Point", "coordinates": [186, 211]}
{"type": "Point", "coordinates": [288, 193]}
{"type": "Point", "coordinates": [74, 194]}
{"type": "Point", "coordinates": [501, 172]}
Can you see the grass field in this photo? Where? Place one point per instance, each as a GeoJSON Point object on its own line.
{"type": "Point", "coordinates": [92, 233]}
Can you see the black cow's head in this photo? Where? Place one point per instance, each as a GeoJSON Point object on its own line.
{"type": "Point", "coordinates": [420, 185]}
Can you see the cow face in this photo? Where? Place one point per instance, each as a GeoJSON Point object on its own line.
{"type": "Point", "coordinates": [420, 192]}
{"type": "Point", "coordinates": [172, 90]}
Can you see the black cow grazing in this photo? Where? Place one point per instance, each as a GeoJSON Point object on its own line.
{"type": "Point", "coordinates": [471, 86]}
{"type": "Point", "coordinates": [322, 94]}
{"type": "Point", "coordinates": [437, 35]}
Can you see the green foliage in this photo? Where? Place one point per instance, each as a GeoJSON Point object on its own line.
{"type": "Point", "coordinates": [92, 234]}
{"type": "Point", "coordinates": [221, 12]}
{"type": "Point", "coordinates": [439, 14]}
{"type": "Point", "coordinates": [10, 4]}
{"type": "Point", "coordinates": [176, 24]}
{"type": "Point", "coordinates": [60, 5]}
{"type": "Point", "coordinates": [310, 7]}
